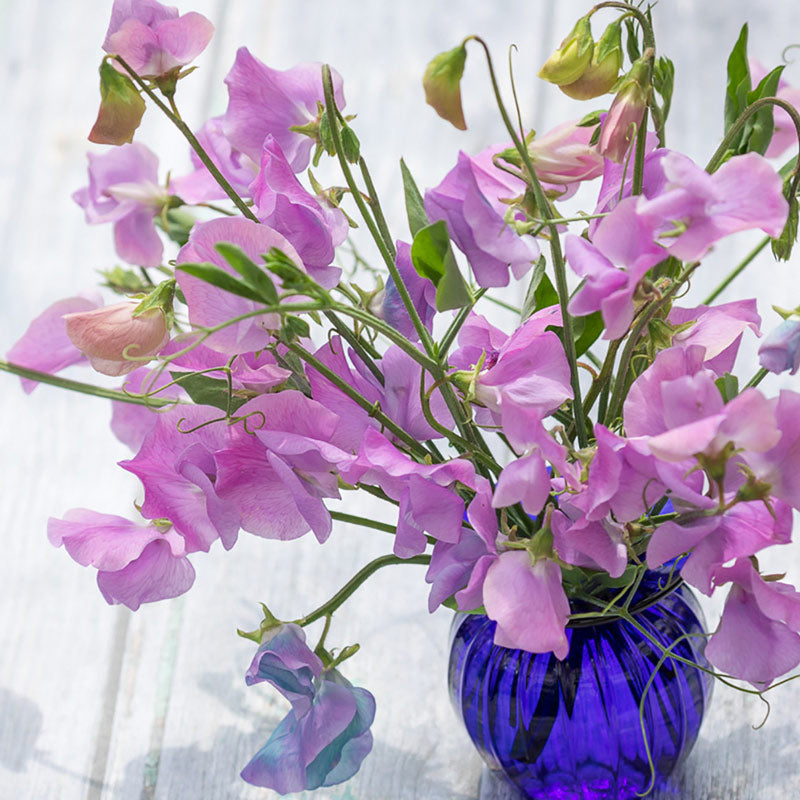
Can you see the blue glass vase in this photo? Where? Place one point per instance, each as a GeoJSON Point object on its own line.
{"type": "Point", "coordinates": [571, 729]}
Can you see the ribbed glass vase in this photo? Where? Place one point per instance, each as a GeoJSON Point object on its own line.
{"type": "Point", "coordinates": [572, 729]}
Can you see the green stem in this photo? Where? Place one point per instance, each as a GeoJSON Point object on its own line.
{"type": "Point", "coordinates": [83, 388]}
{"type": "Point", "coordinates": [601, 381]}
{"type": "Point", "coordinates": [352, 519]}
{"type": "Point", "coordinates": [192, 139]}
{"type": "Point", "coordinates": [332, 111]}
{"type": "Point", "coordinates": [757, 378]}
{"type": "Point", "coordinates": [357, 344]}
{"type": "Point", "coordinates": [365, 572]}
{"type": "Point", "coordinates": [375, 205]}
{"type": "Point", "coordinates": [555, 248]}
{"type": "Point", "coordinates": [737, 271]}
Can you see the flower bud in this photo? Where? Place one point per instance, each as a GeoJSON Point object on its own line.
{"type": "Point", "coordinates": [442, 84]}
{"type": "Point", "coordinates": [110, 337]}
{"type": "Point", "coordinates": [121, 108]}
{"type": "Point", "coordinates": [780, 350]}
{"type": "Point", "coordinates": [573, 56]}
{"type": "Point", "coordinates": [625, 115]}
{"type": "Point", "coordinates": [603, 70]}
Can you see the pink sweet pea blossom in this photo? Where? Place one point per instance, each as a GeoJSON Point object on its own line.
{"type": "Point", "coordinates": [564, 157]}
{"type": "Point", "coordinates": [421, 290]}
{"type": "Point", "coordinates": [264, 101]}
{"type": "Point", "coordinates": [113, 339]}
{"type": "Point", "coordinates": [313, 227]}
{"type": "Point", "coordinates": [757, 639]}
{"type": "Point", "coordinates": [208, 305]}
{"type": "Point", "coordinates": [135, 564]}
{"type": "Point", "coordinates": [199, 186]}
{"type": "Point", "coordinates": [152, 38]}
{"type": "Point", "coordinates": [179, 474]}
{"type": "Point", "coordinates": [470, 201]}
{"type": "Point", "coordinates": [528, 603]}
{"type": "Point", "coordinates": [45, 345]}
{"type": "Point", "coordinates": [123, 189]}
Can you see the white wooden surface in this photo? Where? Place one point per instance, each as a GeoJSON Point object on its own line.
{"type": "Point", "coordinates": [97, 703]}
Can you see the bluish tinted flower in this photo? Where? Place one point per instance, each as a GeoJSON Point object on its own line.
{"type": "Point", "coordinates": [325, 737]}
{"type": "Point", "coordinates": [780, 350]}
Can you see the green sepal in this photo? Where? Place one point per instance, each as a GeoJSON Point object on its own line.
{"type": "Point", "coordinates": [728, 386]}
{"type": "Point", "coordinates": [739, 81]}
{"type": "Point", "coordinates": [442, 84]}
{"type": "Point", "coordinates": [782, 246]}
{"type": "Point", "coordinates": [294, 328]}
{"type": "Point", "coordinates": [176, 223]}
{"type": "Point", "coordinates": [433, 258]}
{"type": "Point", "coordinates": [253, 275]}
{"type": "Point", "coordinates": [350, 144]}
{"type": "Point", "coordinates": [208, 391]}
{"type": "Point", "coordinates": [121, 108]}
{"type": "Point", "coordinates": [415, 206]}
{"type": "Point", "coordinates": [159, 298]}
{"type": "Point", "coordinates": [451, 603]}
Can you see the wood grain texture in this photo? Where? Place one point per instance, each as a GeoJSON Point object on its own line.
{"type": "Point", "coordinates": [100, 704]}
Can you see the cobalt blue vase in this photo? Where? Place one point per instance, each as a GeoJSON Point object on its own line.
{"type": "Point", "coordinates": [572, 729]}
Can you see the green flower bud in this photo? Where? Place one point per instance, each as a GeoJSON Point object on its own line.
{"type": "Point", "coordinates": [121, 108]}
{"type": "Point", "coordinates": [442, 84]}
{"type": "Point", "coordinates": [603, 70]}
{"type": "Point", "coordinates": [573, 56]}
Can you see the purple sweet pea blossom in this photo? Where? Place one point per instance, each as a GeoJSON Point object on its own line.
{"type": "Point", "coordinates": [325, 736]}
{"type": "Point", "coordinates": [528, 603]}
{"type": "Point", "coordinates": [135, 564]}
{"type": "Point", "coordinates": [210, 306]}
{"type": "Point", "coordinates": [741, 532]}
{"type": "Point", "coordinates": [123, 189]}
{"type": "Point", "coordinates": [621, 253]}
{"type": "Point", "coordinates": [45, 345]}
{"type": "Point", "coordinates": [718, 329]}
{"type": "Point", "coordinates": [152, 38]}
{"type": "Point", "coordinates": [425, 492]}
{"type": "Point", "coordinates": [199, 186]}
{"type": "Point", "coordinates": [757, 639]}
{"type": "Point", "coordinates": [178, 473]}
{"type": "Point", "coordinates": [459, 569]}
{"type": "Point", "coordinates": [277, 471]}
{"type": "Point", "coordinates": [264, 101]}
{"type": "Point", "coordinates": [421, 290]}
{"type": "Point", "coordinates": [313, 227]}
{"type": "Point", "coordinates": [780, 350]}
{"type": "Point", "coordinates": [470, 201]}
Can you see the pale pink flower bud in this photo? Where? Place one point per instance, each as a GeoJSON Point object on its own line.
{"type": "Point", "coordinates": [114, 340]}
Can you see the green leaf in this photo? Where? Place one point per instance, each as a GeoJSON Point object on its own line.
{"type": "Point", "coordinates": [121, 108]}
{"type": "Point", "coordinates": [433, 258]}
{"type": "Point", "coordinates": [529, 304]}
{"type": "Point", "coordinates": [295, 328]}
{"type": "Point", "coordinates": [415, 206]}
{"type": "Point", "coordinates": [592, 328]}
{"type": "Point", "coordinates": [207, 391]}
{"type": "Point", "coordinates": [782, 246]}
{"type": "Point", "coordinates": [292, 277]}
{"type": "Point", "coordinates": [728, 386]}
{"type": "Point", "coordinates": [632, 41]}
{"type": "Point", "coordinates": [664, 83]}
{"type": "Point", "coordinates": [253, 275]}
{"type": "Point", "coordinates": [761, 125]}
{"type": "Point", "coordinates": [546, 294]}
{"type": "Point", "coordinates": [216, 276]}
{"type": "Point", "coordinates": [739, 83]}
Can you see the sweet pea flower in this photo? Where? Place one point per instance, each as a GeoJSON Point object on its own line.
{"type": "Point", "coordinates": [757, 639]}
{"type": "Point", "coordinates": [459, 568]}
{"type": "Point", "coordinates": [264, 101]}
{"type": "Point", "coordinates": [528, 603]}
{"type": "Point", "coordinates": [425, 493]}
{"type": "Point", "coordinates": [470, 201]}
{"type": "Point", "coordinates": [209, 305]}
{"type": "Point", "coordinates": [277, 471]}
{"type": "Point", "coordinates": [564, 158]}
{"type": "Point", "coordinates": [624, 118]}
{"type": "Point", "coordinates": [741, 532]}
{"type": "Point", "coordinates": [780, 350]}
{"type": "Point", "coordinates": [784, 134]}
{"type": "Point", "coordinates": [45, 345]}
{"type": "Point", "coordinates": [114, 339]}
{"type": "Point", "coordinates": [612, 265]}
{"type": "Point", "coordinates": [199, 186]}
{"type": "Point", "coordinates": [123, 189]}
{"type": "Point", "coordinates": [135, 564]}
{"type": "Point", "coordinates": [153, 39]}
{"type": "Point", "coordinates": [325, 736]}
{"type": "Point", "coordinates": [179, 476]}
{"type": "Point", "coordinates": [310, 224]}
{"type": "Point", "coordinates": [421, 290]}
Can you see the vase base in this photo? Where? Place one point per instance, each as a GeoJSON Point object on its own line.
{"type": "Point", "coordinates": [495, 786]}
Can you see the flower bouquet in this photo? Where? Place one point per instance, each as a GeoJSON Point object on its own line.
{"type": "Point", "coordinates": [562, 480]}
